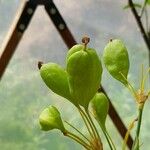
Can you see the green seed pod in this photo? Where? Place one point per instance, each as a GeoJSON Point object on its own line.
{"type": "Point", "coordinates": [56, 78]}
{"type": "Point", "coordinates": [50, 119]}
{"type": "Point", "coordinates": [116, 60]}
{"type": "Point", "coordinates": [100, 106]}
{"type": "Point", "coordinates": [74, 49]}
{"type": "Point", "coordinates": [84, 70]}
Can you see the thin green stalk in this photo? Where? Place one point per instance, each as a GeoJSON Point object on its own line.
{"type": "Point", "coordinates": [85, 122]}
{"type": "Point", "coordinates": [78, 131]}
{"type": "Point", "coordinates": [139, 120]}
{"type": "Point", "coordinates": [144, 79]}
{"type": "Point", "coordinates": [128, 133]}
{"type": "Point", "coordinates": [89, 122]}
{"type": "Point", "coordinates": [107, 136]}
{"type": "Point", "coordinates": [136, 141]}
{"type": "Point", "coordinates": [78, 140]}
{"type": "Point", "coordinates": [93, 126]}
{"type": "Point", "coordinates": [110, 140]}
{"type": "Point", "coordinates": [131, 89]}
{"type": "Point", "coordinates": [92, 123]}
{"type": "Point", "coordinates": [109, 143]}
{"type": "Point", "coordinates": [129, 86]}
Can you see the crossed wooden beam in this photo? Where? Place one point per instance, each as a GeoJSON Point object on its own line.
{"type": "Point", "coordinates": [25, 16]}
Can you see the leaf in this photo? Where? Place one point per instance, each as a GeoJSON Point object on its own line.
{"type": "Point", "coordinates": [136, 5]}
{"type": "Point", "coordinates": [100, 106]}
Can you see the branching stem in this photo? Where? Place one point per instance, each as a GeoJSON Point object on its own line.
{"type": "Point", "coordinates": [78, 131]}
{"type": "Point", "coordinates": [77, 139]}
{"type": "Point", "coordinates": [85, 122]}
{"type": "Point", "coordinates": [92, 124]}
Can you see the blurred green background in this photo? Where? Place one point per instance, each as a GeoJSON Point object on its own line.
{"type": "Point", "coordinates": [23, 95]}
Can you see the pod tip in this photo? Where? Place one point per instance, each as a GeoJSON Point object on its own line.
{"type": "Point", "coordinates": [40, 63]}
{"type": "Point", "coordinates": [85, 40]}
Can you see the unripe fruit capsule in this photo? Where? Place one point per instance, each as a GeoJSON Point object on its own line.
{"type": "Point", "coordinates": [100, 106]}
{"type": "Point", "coordinates": [50, 119]}
{"type": "Point", "coordinates": [56, 78]}
{"type": "Point", "coordinates": [84, 70]}
{"type": "Point", "coordinates": [116, 60]}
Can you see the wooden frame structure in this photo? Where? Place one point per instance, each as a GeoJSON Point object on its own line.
{"type": "Point", "coordinates": [21, 25]}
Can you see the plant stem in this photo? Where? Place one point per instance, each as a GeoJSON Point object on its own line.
{"type": "Point", "coordinates": [77, 139]}
{"type": "Point", "coordinates": [78, 131]}
{"type": "Point", "coordinates": [109, 143]}
{"type": "Point", "coordinates": [85, 122]}
{"type": "Point", "coordinates": [89, 122]}
{"type": "Point", "coordinates": [127, 133]}
{"type": "Point", "coordinates": [139, 120]}
{"type": "Point", "coordinates": [140, 112]}
{"type": "Point", "coordinates": [92, 124]}
{"type": "Point", "coordinates": [97, 137]}
{"type": "Point", "coordinates": [110, 140]}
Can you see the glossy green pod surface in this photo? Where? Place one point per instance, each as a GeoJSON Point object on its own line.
{"type": "Point", "coordinates": [116, 60]}
{"type": "Point", "coordinates": [100, 106]}
{"type": "Point", "coordinates": [50, 119]}
{"type": "Point", "coordinates": [74, 49]}
{"type": "Point", "coordinates": [84, 70]}
{"type": "Point", "coordinates": [56, 78]}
